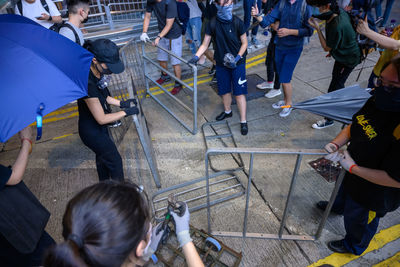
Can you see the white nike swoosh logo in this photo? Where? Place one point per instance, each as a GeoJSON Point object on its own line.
{"type": "Point", "coordinates": [240, 82]}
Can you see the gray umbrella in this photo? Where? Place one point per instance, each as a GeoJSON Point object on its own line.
{"type": "Point", "coordinates": [339, 105]}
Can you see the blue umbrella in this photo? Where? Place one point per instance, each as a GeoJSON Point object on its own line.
{"type": "Point", "coordinates": [41, 71]}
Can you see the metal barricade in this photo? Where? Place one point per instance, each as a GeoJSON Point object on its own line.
{"type": "Point", "coordinates": [123, 86]}
{"type": "Point", "coordinates": [253, 151]}
{"type": "Point", "coordinates": [192, 89]}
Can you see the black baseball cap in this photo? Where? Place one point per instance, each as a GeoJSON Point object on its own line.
{"type": "Point", "coordinates": [106, 51]}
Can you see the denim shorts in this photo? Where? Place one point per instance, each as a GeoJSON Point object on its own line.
{"type": "Point", "coordinates": [286, 60]}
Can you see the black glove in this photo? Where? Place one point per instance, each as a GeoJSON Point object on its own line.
{"type": "Point", "coordinates": [127, 103]}
{"type": "Point", "coordinates": [194, 60]}
{"type": "Point", "coordinates": [131, 111]}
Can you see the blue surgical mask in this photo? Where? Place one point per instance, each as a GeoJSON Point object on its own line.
{"type": "Point", "coordinates": [225, 12]}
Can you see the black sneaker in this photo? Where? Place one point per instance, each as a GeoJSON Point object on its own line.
{"type": "Point", "coordinates": [223, 116]}
{"type": "Point", "coordinates": [338, 246]}
{"type": "Point", "coordinates": [212, 71]}
{"type": "Point", "coordinates": [243, 128]}
{"type": "Point", "coordinates": [322, 124]}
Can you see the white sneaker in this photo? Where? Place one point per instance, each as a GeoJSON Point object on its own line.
{"type": "Point", "coordinates": [273, 93]}
{"type": "Point", "coordinates": [285, 112]}
{"type": "Point", "coordinates": [265, 85]}
{"type": "Point", "coordinates": [278, 104]}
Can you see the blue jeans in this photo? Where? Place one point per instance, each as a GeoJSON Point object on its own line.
{"type": "Point", "coordinates": [386, 14]}
{"type": "Point", "coordinates": [194, 31]}
{"type": "Point", "coordinates": [247, 5]}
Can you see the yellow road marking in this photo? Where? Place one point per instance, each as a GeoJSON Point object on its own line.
{"type": "Point", "coordinates": [391, 262]}
{"type": "Point", "coordinates": [62, 136]}
{"type": "Point", "coordinates": [380, 239]}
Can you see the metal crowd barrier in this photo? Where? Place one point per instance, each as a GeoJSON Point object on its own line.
{"type": "Point", "coordinates": [124, 86]}
{"type": "Point", "coordinates": [193, 89]}
{"type": "Point", "coordinates": [252, 152]}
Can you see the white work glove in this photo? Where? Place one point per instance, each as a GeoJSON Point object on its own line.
{"type": "Point", "coordinates": [154, 242]}
{"type": "Point", "coordinates": [333, 155]}
{"type": "Point", "coordinates": [144, 37]}
{"type": "Point", "coordinates": [347, 161]}
{"type": "Point", "coordinates": [182, 226]}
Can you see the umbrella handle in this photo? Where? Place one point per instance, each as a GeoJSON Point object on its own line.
{"type": "Point", "coordinates": [39, 120]}
{"type": "Point", "coordinates": [286, 106]}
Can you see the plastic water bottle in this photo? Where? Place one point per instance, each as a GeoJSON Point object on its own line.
{"type": "Point", "coordinates": [390, 28]}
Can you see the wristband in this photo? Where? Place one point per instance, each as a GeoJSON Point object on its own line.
{"type": "Point", "coordinates": [50, 18]}
{"type": "Point", "coordinates": [159, 36]}
{"type": "Point", "coordinates": [30, 141]}
{"type": "Point", "coordinates": [337, 146]}
{"type": "Point", "coordinates": [351, 167]}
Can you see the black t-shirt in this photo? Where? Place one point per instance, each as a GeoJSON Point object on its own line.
{"type": "Point", "coordinates": [228, 40]}
{"type": "Point", "coordinates": [375, 144]}
{"type": "Point", "coordinates": [85, 115]}
{"type": "Point", "coordinates": [211, 10]}
{"type": "Point", "coordinates": [5, 174]}
{"type": "Point", "coordinates": [162, 13]}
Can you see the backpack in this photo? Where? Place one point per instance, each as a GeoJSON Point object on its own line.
{"type": "Point", "coordinates": [183, 14]}
{"type": "Point", "coordinates": [57, 27]}
{"type": "Point", "coordinates": [43, 2]}
{"type": "Point", "coordinates": [306, 39]}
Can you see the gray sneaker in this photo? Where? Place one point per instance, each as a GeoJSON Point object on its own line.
{"type": "Point", "coordinates": [285, 112]}
{"type": "Point", "coordinates": [273, 93]}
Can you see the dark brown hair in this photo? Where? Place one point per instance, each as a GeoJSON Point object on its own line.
{"type": "Point", "coordinates": [102, 225]}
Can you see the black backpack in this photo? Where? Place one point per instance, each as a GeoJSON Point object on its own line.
{"type": "Point", "coordinates": [183, 14]}
{"type": "Point", "coordinates": [57, 27]}
{"type": "Point", "coordinates": [43, 2]}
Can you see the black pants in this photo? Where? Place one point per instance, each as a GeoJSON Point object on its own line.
{"type": "Point", "coordinates": [108, 159]}
{"type": "Point", "coordinates": [11, 257]}
{"type": "Point", "coordinates": [270, 62]}
{"type": "Point", "coordinates": [340, 73]}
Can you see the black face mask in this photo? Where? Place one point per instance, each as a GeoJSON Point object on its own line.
{"type": "Point", "coordinates": [85, 20]}
{"type": "Point", "coordinates": [104, 71]}
{"type": "Point", "coordinates": [324, 16]}
{"type": "Point", "coordinates": [387, 98]}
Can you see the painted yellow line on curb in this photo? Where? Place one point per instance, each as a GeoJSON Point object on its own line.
{"type": "Point", "coordinates": [380, 239]}
{"type": "Point", "coordinates": [391, 262]}
{"type": "Point", "coordinates": [62, 136]}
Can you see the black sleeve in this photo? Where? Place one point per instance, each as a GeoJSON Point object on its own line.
{"type": "Point", "coordinates": [390, 163]}
{"type": "Point", "coordinates": [93, 90]}
{"type": "Point", "coordinates": [149, 8]}
{"type": "Point", "coordinates": [242, 29]}
{"type": "Point", "coordinates": [172, 10]}
{"type": "Point", "coordinates": [208, 29]}
{"type": "Point", "coordinates": [5, 174]}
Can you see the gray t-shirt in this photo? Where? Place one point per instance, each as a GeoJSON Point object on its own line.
{"type": "Point", "coordinates": [67, 32]}
{"type": "Point", "coordinates": [162, 13]}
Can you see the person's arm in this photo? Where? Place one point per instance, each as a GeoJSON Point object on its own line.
{"type": "Point", "coordinates": [343, 137]}
{"type": "Point", "coordinates": [146, 21]}
{"type": "Point", "coordinates": [268, 19]}
{"type": "Point", "coordinates": [167, 28]}
{"type": "Point", "coordinates": [18, 169]}
{"type": "Point", "coordinates": [243, 47]}
{"type": "Point", "coordinates": [383, 41]}
{"type": "Point", "coordinates": [113, 101]}
{"type": "Point", "coordinates": [321, 36]}
{"type": "Point", "coordinates": [204, 46]}
{"type": "Point", "coordinates": [192, 257]}
{"type": "Point", "coordinates": [54, 13]}
{"type": "Point", "coordinates": [97, 111]}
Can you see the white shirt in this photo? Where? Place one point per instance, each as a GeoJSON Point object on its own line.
{"type": "Point", "coordinates": [31, 11]}
{"type": "Point", "coordinates": [67, 32]}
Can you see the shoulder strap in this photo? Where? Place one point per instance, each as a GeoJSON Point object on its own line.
{"type": "Point", "coordinates": [303, 10]}
{"type": "Point", "coordinates": [69, 26]}
{"type": "Point", "coordinates": [19, 6]}
{"type": "Point", "coordinates": [45, 6]}
{"type": "Point", "coordinates": [281, 5]}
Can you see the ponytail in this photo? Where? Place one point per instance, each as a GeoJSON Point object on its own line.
{"type": "Point", "coordinates": [65, 254]}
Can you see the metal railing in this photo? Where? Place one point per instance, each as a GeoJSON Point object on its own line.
{"type": "Point", "coordinates": [192, 89]}
{"type": "Point", "coordinates": [255, 151]}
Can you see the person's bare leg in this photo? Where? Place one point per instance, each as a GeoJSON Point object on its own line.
{"type": "Point", "coordinates": [241, 102]}
{"type": "Point", "coordinates": [177, 71]}
{"type": "Point", "coordinates": [164, 64]}
{"type": "Point", "coordinates": [227, 100]}
{"type": "Point", "coordinates": [210, 56]}
{"type": "Point", "coordinates": [287, 91]}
